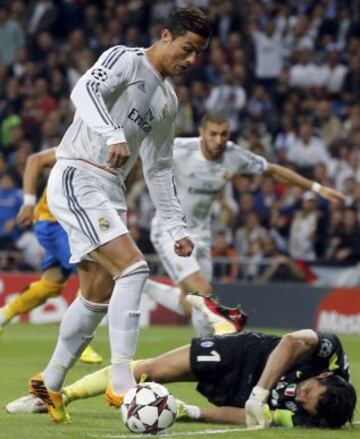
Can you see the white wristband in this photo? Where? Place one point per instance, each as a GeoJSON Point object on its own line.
{"type": "Point", "coordinates": [29, 200]}
{"type": "Point", "coordinates": [193, 411]}
{"type": "Point", "coordinates": [316, 187]}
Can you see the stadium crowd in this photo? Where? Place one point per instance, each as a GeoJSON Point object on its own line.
{"type": "Point", "coordinates": [287, 75]}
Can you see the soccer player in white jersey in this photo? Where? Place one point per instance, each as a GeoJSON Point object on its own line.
{"type": "Point", "coordinates": [203, 165]}
{"type": "Point", "coordinates": [124, 103]}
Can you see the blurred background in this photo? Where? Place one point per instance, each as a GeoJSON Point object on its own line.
{"type": "Point", "coordinates": [286, 73]}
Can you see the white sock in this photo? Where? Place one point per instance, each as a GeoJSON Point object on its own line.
{"type": "Point", "coordinates": [166, 295]}
{"type": "Point", "coordinates": [201, 324]}
{"type": "Point", "coordinates": [124, 317]}
{"type": "Point", "coordinates": [76, 331]}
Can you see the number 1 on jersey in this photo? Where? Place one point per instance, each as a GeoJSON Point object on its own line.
{"type": "Point", "coordinates": [214, 357]}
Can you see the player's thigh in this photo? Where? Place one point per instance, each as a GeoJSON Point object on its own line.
{"type": "Point", "coordinates": [118, 254]}
{"type": "Point", "coordinates": [178, 268]}
{"type": "Point", "coordinates": [169, 367]}
{"type": "Point", "coordinates": [91, 209]}
{"type": "Point", "coordinates": [96, 283]}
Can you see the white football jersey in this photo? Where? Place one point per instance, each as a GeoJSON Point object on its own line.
{"type": "Point", "coordinates": [123, 98]}
{"type": "Point", "coordinates": [199, 181]}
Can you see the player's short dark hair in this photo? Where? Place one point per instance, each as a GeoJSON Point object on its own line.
{"type": "Point", "coordinates": [213, 117]}
{"type": "Point", "coordinates": [336, 406]}
{"type": "Point", "coordinates": [189, 19]}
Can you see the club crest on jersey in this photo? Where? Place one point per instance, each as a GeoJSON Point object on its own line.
{"type": "Point", "coordinates": [104, 224]}
{"type": "Point", "coordinates": [100, 74]}
{"type": "Point", "coordinates": [226, 175]}
{"type": "Point", "coordinates": [165, 111]}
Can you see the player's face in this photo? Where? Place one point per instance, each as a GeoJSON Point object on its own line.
{"type": "Point", "coordinates": [180, 53]}
{"type": "Point", "coordinates": [308, 393]}
{"type": "Point", "coordinates": [213, 139]}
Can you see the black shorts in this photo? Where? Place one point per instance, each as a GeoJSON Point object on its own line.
{"type": "Point", "coordinates": [228, 367]}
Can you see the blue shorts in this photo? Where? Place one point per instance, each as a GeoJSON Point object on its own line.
{"type": "Point", "coordinates": [54, 240]}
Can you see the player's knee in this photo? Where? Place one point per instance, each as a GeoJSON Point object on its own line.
{"type": "Point", "coordinates": [139, 268]}
{"type": "Point", "coordinates": [156, 371]}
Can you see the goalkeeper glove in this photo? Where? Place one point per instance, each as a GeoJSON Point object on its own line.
{"type": "Point", "coordinates": [257, 410]}
{"type": "Point", "coordinates": [186, 411]}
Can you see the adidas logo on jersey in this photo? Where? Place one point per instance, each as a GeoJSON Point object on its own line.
{"type": "Point", "coordinates": [141, 86]}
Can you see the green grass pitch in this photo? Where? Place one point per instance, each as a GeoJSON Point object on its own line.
{"type": "Point", "coordinates": [24, 350]}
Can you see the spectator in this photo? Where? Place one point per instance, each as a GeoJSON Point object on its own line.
{"type": "Point", "coordinates": [333, 73]}
{"type": "Point", "coordinates": [10, 203]}
{"type": "Point", "coordinates": [252, 231]}
{"type": "Point", "coordinates": [12, 37]}
{"type": "Point", "coordinates": [286, 136]}
{"type": "Point", "coordinates": [344, 242]}
{"type": "Point", "coordinates": [221, 247]}
{"type": "Point", "coordinates": [281, 267]}
{"type": "Point", "coordinates": [184, 122]}
{"type": "Point", "coordinates": [228, 98]}
{"type": "Point", "coordinates": [351, 84]}
{"type": "Point", "coordinates": [329, 124]}
{"type": "Point", "coordinates": [305, 74]}
{"type": "Point", "coordinates": [303, 229]}
{"type": "Point", "coordinates": [268, 54]}
{"type": "Point", "coordinates": [307, 150]}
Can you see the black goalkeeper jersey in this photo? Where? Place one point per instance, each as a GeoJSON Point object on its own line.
{"type": "Point", "coordinates": [228, 367]}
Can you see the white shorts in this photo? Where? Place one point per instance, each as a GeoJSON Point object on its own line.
{"type": "Point", "coordinates": [177, 267]}
{"type": "Point", "coordinates": [90, 205]}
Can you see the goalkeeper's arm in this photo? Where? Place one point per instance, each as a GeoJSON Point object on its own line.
{"type": "Point", "coordinates": [292, 348]}
{"type": "Point", "coordinates": [227, 415]}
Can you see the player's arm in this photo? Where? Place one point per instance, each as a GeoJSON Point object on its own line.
{"type": "Point", "coordinates": [285, 175]}
{"type": "Point", "coordinates": [292, 348]}
{"type": "Point", "coordinates": [35, 165]}
{"type": "Point", "coordinates": [111, 71]}
{"type": "Point", "coordinates": [227, 415]}
{"type": "Point", "coordinates": [157, 158]}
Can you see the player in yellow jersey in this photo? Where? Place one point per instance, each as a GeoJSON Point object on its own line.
{"type": "Point", "coordinates": [56, 266]}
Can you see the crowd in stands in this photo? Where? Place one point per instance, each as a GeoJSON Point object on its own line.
{"type": "Point", "coordinates": [287, 75]}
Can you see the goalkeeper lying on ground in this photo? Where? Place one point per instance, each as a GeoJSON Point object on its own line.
{"type": "Point", "coordinates": [301, 378]}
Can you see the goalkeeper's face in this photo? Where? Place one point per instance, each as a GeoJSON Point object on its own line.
{"type": "Point", "coordinates": [213, 139]}
{"type": "Point", "coordinates": [308, 394]}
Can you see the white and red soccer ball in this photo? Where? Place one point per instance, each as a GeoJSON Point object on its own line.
{"type": "Point", "coordinates": [148, 408]}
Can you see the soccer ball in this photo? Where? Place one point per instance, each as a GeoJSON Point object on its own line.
{"type": "Point", "coordinates": [148, 408]}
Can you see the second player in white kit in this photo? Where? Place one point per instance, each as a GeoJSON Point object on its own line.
{"type": "Point", "coordinates": [202, 167]}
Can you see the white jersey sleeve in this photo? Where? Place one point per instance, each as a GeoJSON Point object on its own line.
{"type": "Point", "coordinates": [157, 158]}
{"type": "Point", "coordinates": [111, 70]}
{"type": "Point", "coordinates": [245, 162]}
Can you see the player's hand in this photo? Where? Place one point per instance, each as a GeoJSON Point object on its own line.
{"type": "Point", "coordinates": [332, 195]}
{"type": "Point", "coordinates": [186, 411]}
{"type": "Point", "coordinates": [24, 217]}
{"type": "Point", "coordinates": [118, 154]}
{"type": "Point", "coordinates": [184, 247]}
{"type": "Point", "coordinates": [257, 410]}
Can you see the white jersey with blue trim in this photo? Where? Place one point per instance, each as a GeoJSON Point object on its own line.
{"type": "Point", "coordinates": [199, 181]}
{"type": "Point", "coordinates": [122, 98]}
